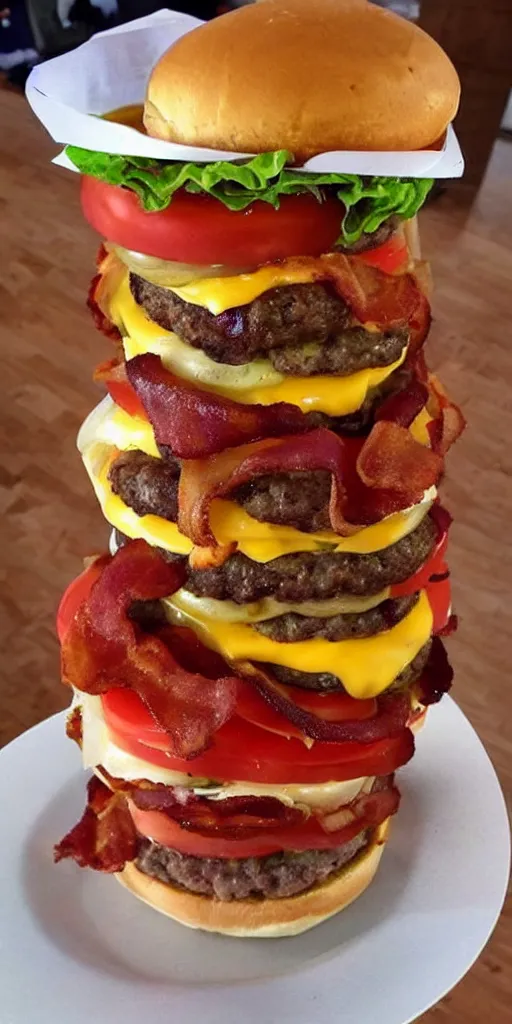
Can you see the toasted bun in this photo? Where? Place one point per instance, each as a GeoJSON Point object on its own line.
{"type": "Point", "coordinates": [265, 919]}
{"type": "Point", "coordinates": [307, 77]}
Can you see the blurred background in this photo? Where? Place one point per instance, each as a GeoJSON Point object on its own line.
{"type": "Point", "coordinates": [477, 35]}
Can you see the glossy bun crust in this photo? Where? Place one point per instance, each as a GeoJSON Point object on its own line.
{"type": "Point", "coordinates": [307, 77]}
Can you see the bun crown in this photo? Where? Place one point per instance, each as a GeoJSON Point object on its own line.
{"type": "Point", "coordinates": [304, 76]}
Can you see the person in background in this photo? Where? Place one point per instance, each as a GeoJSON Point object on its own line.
{"type": "Point", "coordinates": [17, 50]}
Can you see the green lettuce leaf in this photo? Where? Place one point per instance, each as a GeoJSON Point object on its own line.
{"type": "Point", "coordinates": [368, 201]}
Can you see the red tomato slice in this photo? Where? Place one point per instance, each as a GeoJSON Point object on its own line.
{"type": "Point", "coordinates": [440, 597]}
{"type": "Point", "coordinates": [241, 752]}
{"type": "Point", "coordinates": [332, 707]}
{"type": "Point", "coordinates": [73, 596]}
{"type": "Point", "coordinates": [309, 836]}
{"type": "Point", "coordinates": [113, 375]}
{"type": "Point", "coordinates": [435, 565]}
{"type": "Point", "coordinates": [199, 229]}
{"type": "Point", "coordinates": [393, 255]}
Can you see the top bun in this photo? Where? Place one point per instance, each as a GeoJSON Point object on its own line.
{"type": "Point", "coordinates": [309, 76]}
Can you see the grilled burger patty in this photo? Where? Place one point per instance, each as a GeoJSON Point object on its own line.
{"type": "Point", "coordinates": [147, 485]}
{"type": "Point", "coordinates": [302, 328]}
{"type": "Point", "coordinates": [310, 575]}
{"type": "Point", "coordinates": [315, 576]}
{"type": "Point", "coordinates": [271, 877]}
{"type": "Point", "coordinates": [326, 682]}
{"type": "Point", "coordinates": [291, 628]}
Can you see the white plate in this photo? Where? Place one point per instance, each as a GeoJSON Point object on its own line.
{"type": "Point", "coordinates": [75, 947]}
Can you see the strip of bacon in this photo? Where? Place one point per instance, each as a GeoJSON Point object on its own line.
{"type": "Point", "coordinates": [448, 423]}
{"type": "Point", "coordinates": [387, 472]}
{"type": "Point", "coordinates": [375, 297]}
{"type": "Point", "coordinates": [393, 712]}
{"type": "Point", "coordinates": [437, 676]}
{"type": "Point", "coordinates": [371, 809]}
{"type": "Point", "coordinates": [391, 459]}
{"type": "Point", "coordinates": [102, 286]}
{"type": "Point", "coordinates": [104, 648]}
{"type": "Point", "coordinates": [404, 406]}
{"type": "Point", "coordinates": [105, 837]}
{"type": "Point", "coordinates": [196, 423]}
{"type": "Point", "coordinates": [233, 818]}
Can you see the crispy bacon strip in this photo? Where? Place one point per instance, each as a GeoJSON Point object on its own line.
{"type": "Point", "coordinates": [388, 472]}
{"type": "Point", "coordinates": [104, 648]}
{"type": "Point", "coordinates": [437, 676]}
{"type": "Point", "coordinates": [105, 837]}
{"type": "Point", "coordinates": [391, 459]}
{"type": "Point", "coordinates": [404, 406]}
{"type": "Point", "coordinates": [233, 818]}
{"type": "Point", "coordinates": [371, 809]}
{"type": "Point", "coordinates": [448, 423]}
{"type": "Point", "coordinates": [196, 423]}
{"type": "Point", "coordinates": [375, 297]}
{"type": "Point", "coordinates": [103, 284]}
{"type": "Point", "coordinates": [391, 719]}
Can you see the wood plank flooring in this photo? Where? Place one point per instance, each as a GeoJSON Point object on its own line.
{"type": "Point", "coordinates": [49, 518]}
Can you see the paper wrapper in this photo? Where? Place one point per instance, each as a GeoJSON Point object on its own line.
{"type": "Point", "coordinates": [111, 70]}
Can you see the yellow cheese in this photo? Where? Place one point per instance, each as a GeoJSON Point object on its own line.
{"type": "Point", "coordinates": [365, 666]}
{"type": "Point", "coordinates": [98, 749]}
{"type": "Point", "coordinates": [418, 428]}
{"type": "Point", "coordinates": [264, 541]}
{"type": "Point", "coordinates": [335, 396]}
{"type": "Point", "coordinates": [220, 293]}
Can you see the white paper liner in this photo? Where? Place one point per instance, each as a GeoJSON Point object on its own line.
{"type": "Point", "coordinates": [111, 70]}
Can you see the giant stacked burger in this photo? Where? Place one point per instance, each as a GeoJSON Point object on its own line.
{"type": "Point", "coordinates": [250, 662]}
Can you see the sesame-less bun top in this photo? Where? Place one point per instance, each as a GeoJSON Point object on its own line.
{"type": "Point", "coordinates": [304, 75]}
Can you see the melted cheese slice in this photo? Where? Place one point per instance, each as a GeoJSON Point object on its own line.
{"type": "Point", "coordinates": [220, 293]}
{"type": "Point", "coordinates": [98, 749]}
{"type": "Point", "coordinates": [257, 383]}
{"type": "Point", "coordinates": [108, 429]}
{"type": "Point", "coordinates": [365, 666]}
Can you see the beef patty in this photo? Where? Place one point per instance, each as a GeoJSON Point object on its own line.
{"type": "Point", "coordinates": [303, 328]}
{"type": "Point", "coordinates": [292, 628]}
{"type": "Point", "coordinates": [315, 576]}
{"type": "Point", "coordinates": [272, 877]}
{"type": "Point", "coordinates": [327, 681]}
{"type": "Point", "coordinates": [147, 485]}
{"type": "Point", "coordinates": [309, 575]}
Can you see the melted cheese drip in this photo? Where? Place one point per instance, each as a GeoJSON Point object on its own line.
{"type": "Point", "coordinates": [365, 666]}
{"type": "Point", "coordinates": [98, 749]}
{"type": "Point", "coordinates": [257, 383]}
{"type": "Point", "coordinates": [108, 428]}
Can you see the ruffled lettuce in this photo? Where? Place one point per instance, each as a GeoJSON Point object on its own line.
{"type": "Point", "coordinates": [368, 201]}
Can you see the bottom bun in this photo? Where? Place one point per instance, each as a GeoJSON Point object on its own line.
{"type": "Point", "coordinates": [268, 918]}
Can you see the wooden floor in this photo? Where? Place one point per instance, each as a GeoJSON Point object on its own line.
{"type": "Point", "coordinates": [49, 518]}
